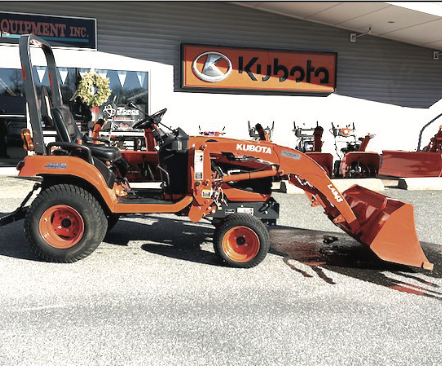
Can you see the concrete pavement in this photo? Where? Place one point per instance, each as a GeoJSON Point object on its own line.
{"type": "Point", "coordinates": [154, 293]}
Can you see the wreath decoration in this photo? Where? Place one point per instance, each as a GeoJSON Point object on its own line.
{"type": "Point", "coordinates": [94, 89]}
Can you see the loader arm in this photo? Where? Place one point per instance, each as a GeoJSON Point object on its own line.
{"type": "Point", "coordinates": [283, 162]}
{"type": "Point", "coordinates": [308, 175]}
{"type": "Point", "coordinates": [384, 224]}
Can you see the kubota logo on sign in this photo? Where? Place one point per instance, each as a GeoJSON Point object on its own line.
{"type": "Point", "coordinates": [210, 72]}
{"type": "Point", "coordinates": [255, 69]}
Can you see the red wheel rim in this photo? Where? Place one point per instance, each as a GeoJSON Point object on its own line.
{"type": "Point", "coordinates": [241, 244]}
{"type": "Point", "coordinates": [61, 226]}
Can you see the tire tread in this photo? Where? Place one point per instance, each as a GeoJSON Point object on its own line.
{"type": "Point", "coordinates": [63, 190]}
{"type": "Point", "coordinates": [240, 219]}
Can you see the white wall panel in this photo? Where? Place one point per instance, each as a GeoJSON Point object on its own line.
{"type": "Point", "coordinates": [372, 68]}
{"type": "Point", "coordinates": [385, 87]}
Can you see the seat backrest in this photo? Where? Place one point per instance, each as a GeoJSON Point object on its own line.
{"type": "Point", "coordinates": [65, 124]}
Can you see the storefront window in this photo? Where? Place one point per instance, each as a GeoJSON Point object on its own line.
{"type": "Point", "coordinates": [67, 78]}
{"type": "Point", "coordinates": [12, 116]}
{"type": "Point", "coordinates": [126, 86]}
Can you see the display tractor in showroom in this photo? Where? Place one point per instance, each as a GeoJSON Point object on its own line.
{"type": "Point", "coordinates": [84, 190]}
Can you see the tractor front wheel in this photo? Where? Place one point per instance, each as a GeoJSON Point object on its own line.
{"type": "Point", "coordinates": [65, 223]}
{"type": "Point", "coordinates": [241, 241]}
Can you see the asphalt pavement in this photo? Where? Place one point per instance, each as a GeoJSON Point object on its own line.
{"type": "Point", "coordinates": [154, 293]}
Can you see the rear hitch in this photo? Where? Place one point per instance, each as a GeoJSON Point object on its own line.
{"type": "Point", "coordinates": [20, 212]}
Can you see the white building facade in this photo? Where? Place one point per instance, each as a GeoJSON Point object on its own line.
{"type": "Point", "coordinates": [387, 88]}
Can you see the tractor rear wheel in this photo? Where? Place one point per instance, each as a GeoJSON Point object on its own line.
{"type": "Point", "coordinates": [65, 223]}
{"type": "Point", "coordinates": [241, 241]}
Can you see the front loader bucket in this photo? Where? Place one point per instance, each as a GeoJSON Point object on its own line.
{"type": "Point", "coordinates": [386, 226]}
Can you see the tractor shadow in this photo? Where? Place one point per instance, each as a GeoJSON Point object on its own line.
{"type": "Point", "coordinates": [173, 238]}
{"type": "Point", "coordinates": [13, 242]}
{"type": "Point", "coordinates": [307, 254]}
{"type": "Point", "coordinates": [303, 251]}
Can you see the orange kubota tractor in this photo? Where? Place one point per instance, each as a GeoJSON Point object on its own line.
{"type": "Point", "coordinates": [84, 189]}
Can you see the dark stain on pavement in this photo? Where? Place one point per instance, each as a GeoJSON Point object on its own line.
{"type": "Point", "coordinates": [326, 253]}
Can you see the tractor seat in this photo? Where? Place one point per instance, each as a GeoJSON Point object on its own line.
{"type": "Point", "coordinates": [68, 131]}
{"type": "Point", "coordinates": [105, 153]}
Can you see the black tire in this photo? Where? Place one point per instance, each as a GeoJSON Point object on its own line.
{"type": "Point", "coordinates": [112, 220]}
{"type": "Point", "coordinates": [64, 224]}
{"type": "Point", "coordinates": [241, 241]}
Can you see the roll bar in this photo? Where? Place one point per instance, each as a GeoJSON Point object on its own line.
{"type": "Point", "coordinates": [30, 89]}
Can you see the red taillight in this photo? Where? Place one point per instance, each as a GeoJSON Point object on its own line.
{"type": "Point", "coordinates": [23, 73]}
{"type": "Point", "coordinates": [28, 144]}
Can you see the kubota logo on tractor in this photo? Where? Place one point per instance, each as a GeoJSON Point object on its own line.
{"type": "Point", "coordinates": [257, 69]}
{"type": "Point", "coordinates": [254, 148]}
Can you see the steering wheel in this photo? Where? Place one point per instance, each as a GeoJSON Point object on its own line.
{"type": "Point", "coordinates": [150, 121]}
{"type": "Point", "coordinates": [144, 124]}
{"type": "Point", "coordinates": [158, 116]}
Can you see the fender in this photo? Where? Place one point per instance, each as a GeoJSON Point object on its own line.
{"type": "Point", "coordinates": [43, 165]}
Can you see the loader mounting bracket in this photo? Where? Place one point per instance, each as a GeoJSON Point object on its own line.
{"type": "Point", "coordinates": [267, 212]}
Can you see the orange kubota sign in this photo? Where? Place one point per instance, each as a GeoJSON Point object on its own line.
{"type": "Point", "coordinates": [215, 67]}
